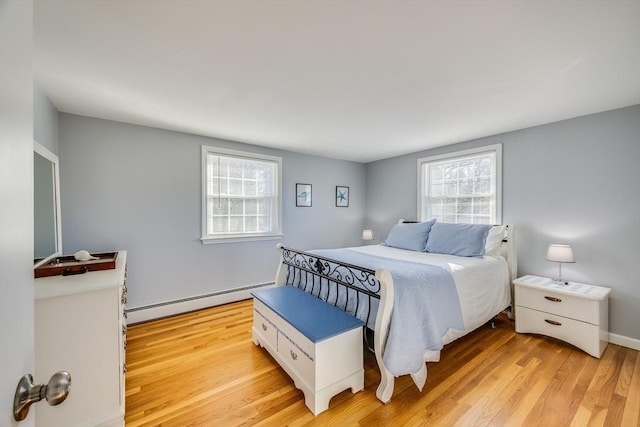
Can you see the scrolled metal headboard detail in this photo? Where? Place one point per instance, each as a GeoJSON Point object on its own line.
{"type": "Point", "coordinates": [337, 283]}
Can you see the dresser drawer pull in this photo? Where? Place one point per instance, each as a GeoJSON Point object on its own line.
{"type": "Point", "coordinates": [264, 327]}
{"type": "Point", "coordinates": [553, 322]}
{"type": "Point", "coordinates": [294, 356]}
{"type": "Point", "coordinates": [554, 299]}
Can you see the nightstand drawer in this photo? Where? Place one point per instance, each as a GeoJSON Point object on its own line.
{"type": "Point", "coordinates": [581, 334]}
{"type": "Point", "coordinates": [574, 307]}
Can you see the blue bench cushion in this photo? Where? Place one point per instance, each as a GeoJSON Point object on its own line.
{"type": "Point", "coordinates": [311, 316]}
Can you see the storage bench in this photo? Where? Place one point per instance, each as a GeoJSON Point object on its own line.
{"type": "Point", "coordinates": [317, 344]}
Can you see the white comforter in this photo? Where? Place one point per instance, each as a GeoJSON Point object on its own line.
{"type": "Point", "coordinates": [482, 284]}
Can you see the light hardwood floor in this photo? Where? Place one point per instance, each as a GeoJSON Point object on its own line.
{"type": "Point", "coordinates": [202, 369]}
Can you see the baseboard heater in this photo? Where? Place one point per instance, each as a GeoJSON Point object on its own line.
{"type": "Point", "coordinates": [184, 305]}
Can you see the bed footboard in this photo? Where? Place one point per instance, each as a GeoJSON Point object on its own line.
{"type": "Point", "coordinates": [363, 293]}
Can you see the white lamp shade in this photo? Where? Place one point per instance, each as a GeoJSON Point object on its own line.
{"type": "Point", "coordinates": [560, 253]}
{"type": "Point", "coordinates": [367, 234]}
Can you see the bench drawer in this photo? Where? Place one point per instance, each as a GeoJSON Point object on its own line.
{"type": "Point", "coordinates": [298, 338]}
{"type": "Point", "coordinates": [297, 360]}
{"type": "Point", "coordinates": [265, 327]}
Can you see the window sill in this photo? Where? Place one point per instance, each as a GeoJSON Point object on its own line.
{"type": "Point", "coordinates": [239, 239]}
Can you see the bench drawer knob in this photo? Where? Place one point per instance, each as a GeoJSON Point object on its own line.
{"type": "Point", "coordinates": [264, 327]}
{"type": "Point", "coordinates": [294, 356]}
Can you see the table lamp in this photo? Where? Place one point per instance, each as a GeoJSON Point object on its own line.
{"type": "Point", "coordinates": [560, 254]}
{"type": "Point", "coordinates": [367, 234]}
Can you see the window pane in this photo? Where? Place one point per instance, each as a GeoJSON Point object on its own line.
{"type": "Point", "coordinates": [250, 188]}
{"type": "Point", "coordinates": [236, 224]}
{"type": "Point", "coordinates": [437, 190]}
{"type": "Point", "coordinates": [235, 168]}
{"type": "Point", "coordinates": [251, 223]}
{"type": "Point", "coordinates": [237, 207]}
{"type": "Point", "coordinates": [451, 189]}
{"type": "Point", "coordinates": [466, 187]}
{"type": "Point", "coordinates": [217, 225]}
{"type": "Point", "coordinates": [264, 207]}
{"type": "Point", "coordinates": [264, 223]}
{"type": "Point", "coordinates": [235, 187]}
{"type": "Point", "coordinates": [218, 206]}
{"type": "Point", "coordinates": [251, 207]}
{"type": "Point", "coordinates": [436, 174]}
{"type": "Point", "coordinates": [467, 219]}
{"type": "Point", "coordinates": [464, 206]}
{"type": "Point", "coordinates": [483, 186]}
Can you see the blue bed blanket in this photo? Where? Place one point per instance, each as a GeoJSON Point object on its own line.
{"type": "Point", "coordinates": [426, 305]}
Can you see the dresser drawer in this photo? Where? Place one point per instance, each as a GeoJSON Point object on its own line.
{"type": "Point", "coordinates": [574, 307]}
{"type": "Point", "coordinates": [581, 334]}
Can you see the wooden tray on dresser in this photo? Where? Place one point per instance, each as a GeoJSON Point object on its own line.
{"type": "Point", "coordinates": [67, 265]}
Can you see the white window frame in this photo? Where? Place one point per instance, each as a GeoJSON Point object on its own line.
{"type": "Point", "coordinates": [241, 237]}
{"type": "Point", "coordinates": [496, 149]}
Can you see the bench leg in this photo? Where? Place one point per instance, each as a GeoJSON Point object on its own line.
{"type": "Point", "coordinates": [319, 401]}
{"type": "Point", "coordinates": [254, 337]}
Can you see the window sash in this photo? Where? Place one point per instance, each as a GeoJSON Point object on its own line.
{"type": "Point", "coordinates": [241, 195]}
{"type": "Point", "coordinates": [462, 187]}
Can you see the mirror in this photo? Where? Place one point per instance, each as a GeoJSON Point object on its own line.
{"type": "Point", "coordinates": [47, 239]}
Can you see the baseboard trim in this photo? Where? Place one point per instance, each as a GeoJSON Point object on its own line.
{"type": "Point", "coordinates": [184, 305]}
{"type": "Point", "coordinates": [631, 343]}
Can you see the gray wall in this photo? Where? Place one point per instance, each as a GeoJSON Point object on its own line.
{"type": "Point", "coordinates": [575, 182]}
{"type": "Point", "coordinates": [45, 121]}
{"type": "Point", "coordinates": [138, 188]}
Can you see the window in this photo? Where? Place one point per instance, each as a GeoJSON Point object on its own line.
{"type": "Point", "coordinates": [465, 186]}
{"type": "Point", "coordinates": [240, 196]}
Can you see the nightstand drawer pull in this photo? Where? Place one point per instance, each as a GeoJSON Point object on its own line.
{"type": "Point", "coordinates": [554, 299]}
{"type": "Point", "coordinates": [553, 322]}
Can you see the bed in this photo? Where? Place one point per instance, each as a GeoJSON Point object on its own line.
{"type": "Point", "coordinates": [464, 274]}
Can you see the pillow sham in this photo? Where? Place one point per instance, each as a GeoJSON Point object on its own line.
{"type": "Point", "coordinates": [494, 240]}
{"type": "Point", "coordinates": [411, 236]}
{"type": "Point", "coordinates": [458, 239]}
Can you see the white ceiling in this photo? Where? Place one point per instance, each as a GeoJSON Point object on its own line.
{"type": "Point", "coordinates": [354, 80]}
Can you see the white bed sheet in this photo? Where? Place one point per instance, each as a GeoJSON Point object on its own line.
{"type": "Point", "coordinates": [482, 284]}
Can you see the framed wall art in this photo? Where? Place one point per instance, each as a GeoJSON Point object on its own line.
{"type": "Point", "coordinates": [342, 196]}
{"type": "Point", "coordinates": [303, 195]}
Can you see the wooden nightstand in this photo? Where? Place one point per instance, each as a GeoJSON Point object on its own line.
{"type": "Point", "coordinates": [576, 313]}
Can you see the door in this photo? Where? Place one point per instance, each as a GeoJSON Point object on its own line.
{"type": "Point", "coordinates": [16, 203]}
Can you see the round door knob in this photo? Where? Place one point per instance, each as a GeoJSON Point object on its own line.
{"type": "Point", "coordinates": [58, 388]}
{"type": "Point", "coordinates": [55, 392]}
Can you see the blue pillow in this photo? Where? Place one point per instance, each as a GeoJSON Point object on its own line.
{"type": "Point", "coordinates": [458, 239]}
{"type": "Point", "coordinates": [412, 237]}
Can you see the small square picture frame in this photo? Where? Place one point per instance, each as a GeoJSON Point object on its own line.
{"type": "Point", "coordinates": [342, 196]}
{"type": "Point", "coordinates": [303, 195]}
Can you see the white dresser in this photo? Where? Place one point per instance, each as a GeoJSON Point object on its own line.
{"type": "Point", "coordinates": [318, 345]}
{"type": "Point", "coordinates": [576, 312]}
{"type": "Point", "coordinates": [80, 328]}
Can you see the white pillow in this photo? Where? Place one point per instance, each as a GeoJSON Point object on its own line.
{"type": "Point", "coordinates": [494, 240]}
